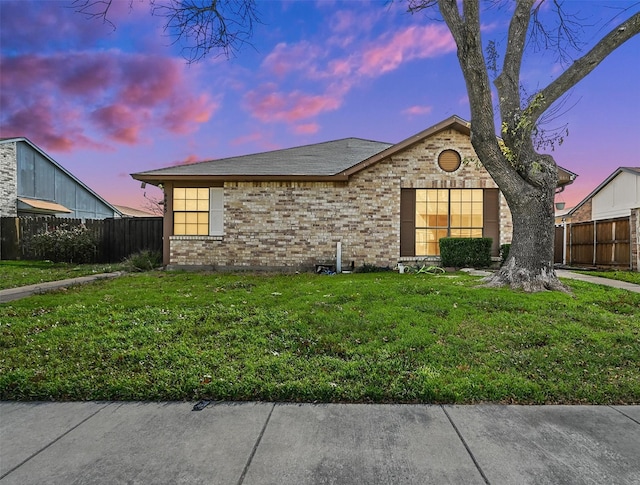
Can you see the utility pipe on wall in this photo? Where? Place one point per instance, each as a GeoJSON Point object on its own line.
{"type": "Point", "coordinates": [339, 257]}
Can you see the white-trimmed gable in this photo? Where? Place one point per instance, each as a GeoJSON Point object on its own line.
{"type": "Point", "coordinates": [617, 197]}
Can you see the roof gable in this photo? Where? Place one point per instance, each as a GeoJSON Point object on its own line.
{"type": "Point", "coordinates": [59, 167]}
{"type": "Point", "coordinates": [451, 123]}
{"type": "Point", "coordinates": [632, 170]}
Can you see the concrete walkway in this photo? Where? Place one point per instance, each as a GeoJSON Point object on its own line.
{"type": "Point", "coordinates": [266, 443]}
{"type": "Point", "coordinates": [25, 291]}
{"type": "Point", "coordinates": [563, 273]}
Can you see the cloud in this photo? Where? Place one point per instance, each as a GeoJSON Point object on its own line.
{"type": "Point", "coordinates": [285, 58]}
{"type": "Point", "coordinates": [44, 27]}
{"type": "Point", "coordinates": [82, 99]}
{"type": "Point", "coordinates": [333, 70]}
{"type": "Point", "coordinates": [268, 105]}
{"type": "Point", "coordinates": [306, 129]}
{"type": "Point", "coordinates": [414, 42]}
{"type": "Point", "coordinates": [37, 27]}
{"type": "Point", "coordinates": [187, 161]}
{"type": "Point", "coordinates": [250, 138]}
{"type": "Point", "coordinates": [417, 110]}
{"type": "Point", "coordinates": [119, 122]}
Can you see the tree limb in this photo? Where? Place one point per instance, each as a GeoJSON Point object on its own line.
{"type": "Point", "coordinates": [199, 25]}
{"type": "Point", "coordinates": [587, 63]}
{"type": "Point", "coordinates": [508, 82]}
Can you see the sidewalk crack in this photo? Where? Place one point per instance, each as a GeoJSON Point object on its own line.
{"type": "Point", "coordinates": [53, 442]}
{"type": "Point", "coordinates": [624, 414]}
{"type": "Point", "coordinates": [255, 446]}
{"type": "Point", "coordinates": [473, 458]}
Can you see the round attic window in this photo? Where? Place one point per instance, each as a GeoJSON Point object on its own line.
{"type": "Point", "coordinates": [449, 160]}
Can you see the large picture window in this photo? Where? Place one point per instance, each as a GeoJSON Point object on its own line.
{"type": "Point", "coordinates": [446, 213]}
{"type": "Point", "coordinates": [427, 215]}
{"type": "Point", "coordinates": [190, 211]}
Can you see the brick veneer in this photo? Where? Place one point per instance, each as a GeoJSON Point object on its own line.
{"type": "Point", "coordinates": [583, 214]}
{"type": "Point", "coordinates": [296, 224]}
{"type": "Point", "coordinates": [8, 180]}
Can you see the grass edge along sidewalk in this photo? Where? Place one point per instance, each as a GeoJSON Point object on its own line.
{"type": "Point", "coordinates": [353, 338]}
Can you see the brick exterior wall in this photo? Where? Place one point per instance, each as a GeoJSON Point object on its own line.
{"type": "Point", "coordinates": [583, 214]}
{"type": "Point", "coordinates": [8, 180]}
{"type": "Point", "coordinates": [293, 225]}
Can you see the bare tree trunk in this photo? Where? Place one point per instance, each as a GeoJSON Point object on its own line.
{"type": "Point", "coordinates": [529, 265]}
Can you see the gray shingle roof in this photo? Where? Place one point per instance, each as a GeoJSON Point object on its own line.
{"type": "Point", "coordinates": [320, 159]}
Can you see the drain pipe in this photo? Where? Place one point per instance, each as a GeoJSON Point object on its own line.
{"type": "Point", "coordinates": [339, 257]}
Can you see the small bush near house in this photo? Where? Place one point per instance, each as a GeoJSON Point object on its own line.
{"type": "Point", "coordinates": [465, 252]}
{"type": "Point", "coordinates": [504, 253]}
{"type": "Point", "coordinates": [66, 244]}
{"type": "Point", "coordinates": [372, 268]}
{"type": "Point", "coordinates": [145, 260]}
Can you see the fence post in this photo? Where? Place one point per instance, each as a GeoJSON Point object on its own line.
{"type": "Point", "coordinates": [634, 239]}
{"type": "Point", "coordinates": [595, 242]}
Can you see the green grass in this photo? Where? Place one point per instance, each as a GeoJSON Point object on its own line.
{"type": "Point", "coordinates": [628, 276]}
{"type": "Point", "coordinates": [373, 337]}
{"type": "Point", "coordinates": [23, 273]}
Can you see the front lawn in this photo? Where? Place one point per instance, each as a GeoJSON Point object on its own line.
{"type": "Point", "coordinates": [378, 337]}
{"type": "Point", "coordinates": [22, 273]}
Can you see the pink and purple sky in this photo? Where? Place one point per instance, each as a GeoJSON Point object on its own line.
{"type": "Point", "coordinates": [105, 103]}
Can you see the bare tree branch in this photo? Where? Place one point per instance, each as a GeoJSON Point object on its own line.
{"type": "Point", "coordinates": [200, 26]}
{"type": "Point", "coordinates": [96, 9]}
{"type": "Point", "coordinates": [220, 25]}
{"type": "Point", "coordinates": [587, 63]}
{"type": "Point", "coordinates": [559, 37]}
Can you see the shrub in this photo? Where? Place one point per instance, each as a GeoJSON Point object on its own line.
{"type": "Point", "coordinates": [460, 252]}
{"type": "Point", "coordinates": [504, 253]}
{"type": "Point", "coordinates": [67, 244]}
{"type": "Point", "coordinates": [145, 260]}
{"type": "Point", "coordinates": [372, 268]}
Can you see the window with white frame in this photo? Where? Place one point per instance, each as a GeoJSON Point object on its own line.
{"type": "Point", "coordinates": [198, 211]}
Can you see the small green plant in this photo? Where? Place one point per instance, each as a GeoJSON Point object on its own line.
{"type": "Point", "coordinates": [504, 253]}
{"type": "Point", "coordinates": [145, 260]}
{"type": "Point", "coordinates": [461, 252]}
{"type": "Point", "coordinates": [67, 244]}
{"type": "Point", "coordinates": [372, 268]}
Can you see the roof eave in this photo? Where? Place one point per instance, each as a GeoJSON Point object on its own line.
{"type": "Point", "coordinates": [157, 179]}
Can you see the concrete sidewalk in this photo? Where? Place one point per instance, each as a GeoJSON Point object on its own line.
{"type": "Point", "coordinates": [267, 443]}
{"type": "Point", "coordinates": [563, 273]}
{"type": "Point", "coordinates": [25, 291]}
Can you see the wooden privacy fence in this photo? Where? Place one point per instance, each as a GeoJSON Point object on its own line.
{"type": "Point", "coordinates": [605, 243]}
{"type": "Point", "coordinates": [116, 238]}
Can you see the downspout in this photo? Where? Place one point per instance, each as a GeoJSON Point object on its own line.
{"type": "Point", "coordinates": [339, 257]}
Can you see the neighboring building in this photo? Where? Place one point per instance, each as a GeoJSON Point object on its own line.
{"type": "Point", "coordinates": [615, 206]}
{"type": "Point", "coordinates": [615, 197]}
{"type": "Point", "coordinates": [33, 183]}
{"type": "Point", "coordinates": [132, 212]}
{"type": "Point", "coordinates": [289, 209]}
